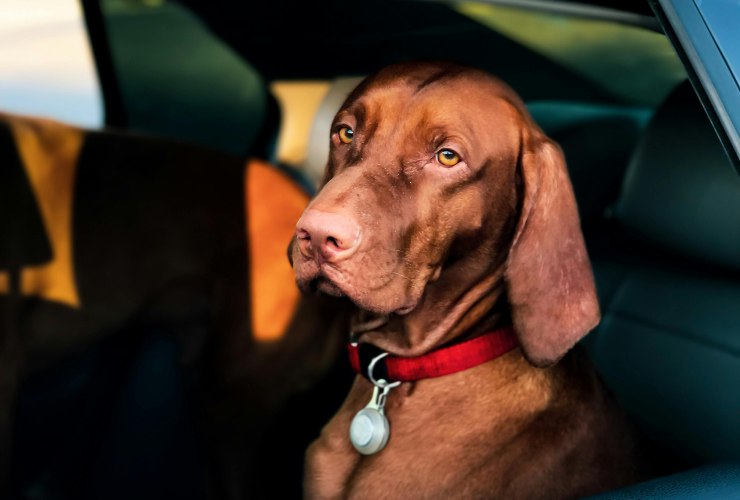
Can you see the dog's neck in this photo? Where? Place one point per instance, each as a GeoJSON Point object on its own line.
{"type": "Point", "coordinates": [447, 313]}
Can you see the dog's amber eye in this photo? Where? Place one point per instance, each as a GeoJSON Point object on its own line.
{"type": "Point", "coordinates": [346, 135]}
{"type": "Point", "coordinates": [448, 158]}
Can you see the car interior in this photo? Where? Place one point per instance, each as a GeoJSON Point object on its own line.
{"type": "Point", "coordinates": [161, 227]}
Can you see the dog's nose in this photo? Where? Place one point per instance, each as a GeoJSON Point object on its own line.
{"type": "Point", "coordinates": [333, 236]}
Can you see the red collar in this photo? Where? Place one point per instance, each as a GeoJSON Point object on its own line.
{"type": "Point", "coordinates": [445, 361]}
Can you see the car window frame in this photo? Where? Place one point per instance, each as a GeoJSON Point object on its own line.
{"type": "Point", "coordinates": [709, 72]}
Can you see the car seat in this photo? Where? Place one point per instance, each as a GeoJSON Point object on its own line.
{"type": "Point", "coordinates": [667, 266]}
{"type": "Point", "coordinates": [154, 242]}
{"type": "Point", "coordinates": [177, 79]}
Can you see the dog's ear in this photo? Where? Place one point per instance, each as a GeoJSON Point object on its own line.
{"type": "Point", "coordinates": [548, 276]}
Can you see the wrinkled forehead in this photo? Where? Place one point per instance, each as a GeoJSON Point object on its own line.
{"type": "Point", "coordinates": [459, 92]}
{"type": "Point", "coordinates": [462, 100]}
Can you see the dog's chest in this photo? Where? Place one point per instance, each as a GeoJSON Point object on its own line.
{"type": "Point", "coordinates": [438, 438]}
{"type": "Point", "coordinates": [417, 463]}
{"type": "Point", "coordinates": [487, 432]}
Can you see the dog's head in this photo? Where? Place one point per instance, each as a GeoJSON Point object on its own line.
{"type": "Point", "coordinates": [438, 178]}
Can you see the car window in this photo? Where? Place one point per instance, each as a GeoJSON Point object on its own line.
{"type": "Point", "coordinates": [633, 63]}
{"type": "Point", "coordinates": [705, 34]}
{"type": "Point", "coordinates": [47, 65]}
{"type": "Point", "coordinates": [629, 65]}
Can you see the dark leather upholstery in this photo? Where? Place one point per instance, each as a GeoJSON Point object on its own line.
{"type": "Point", "coordinates": [714, 482]}
{"type": "Point", "coordinates": [680, 191]}
{"type": "Point", "coordinates": [598, 142]}
{"type": "Point", "coordinates": [667, 272]}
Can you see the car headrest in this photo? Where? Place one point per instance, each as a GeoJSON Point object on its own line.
{"type": "Point", "coordinates": [318, 140]}
{"type": "Point", "coordinates": [22, 233]}
{"type": "Point", "coordinates": [680, 190]}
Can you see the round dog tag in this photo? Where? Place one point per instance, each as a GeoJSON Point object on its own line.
{"type": "Point", "coordinates": [369, 431]}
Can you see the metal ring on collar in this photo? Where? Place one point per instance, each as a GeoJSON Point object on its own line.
{"type": "Point", "coordinates": [382, 383]}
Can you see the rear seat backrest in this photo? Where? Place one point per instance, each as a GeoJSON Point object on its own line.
{"type": "Point", "coordinates": [318, 139]}
{"type": "Point", "coordinates": [598, 142]}
{"type": "Point", "coordinates": [681, 190]}
{"type": "Point", "coordinates": [179, 80]}
{"type": "Point", "coordinates": [669, 341]}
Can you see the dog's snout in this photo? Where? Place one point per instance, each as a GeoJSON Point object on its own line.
{"type": "Point", "coordinates": [331, 236]}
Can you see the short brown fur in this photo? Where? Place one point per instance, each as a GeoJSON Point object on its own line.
{"type": "Point", "coordinates": [447, 254]}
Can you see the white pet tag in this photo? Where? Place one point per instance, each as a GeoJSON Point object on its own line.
{"type": "Point", "coordinates": [370, 430]}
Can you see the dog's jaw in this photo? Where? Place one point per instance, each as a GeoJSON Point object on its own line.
{"type": "Point", "coordinates": [391, 293]}
{"type": "Point", "coordinates": [441, 317]}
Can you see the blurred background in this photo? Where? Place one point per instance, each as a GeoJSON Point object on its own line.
{"type": "Point", "coordinates": [210, 56]}
{"type": "Point", "coordinates": [155, 155]}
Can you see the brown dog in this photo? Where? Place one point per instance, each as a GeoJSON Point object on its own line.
{"type": "Point", "coordinates": [447, 213]}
